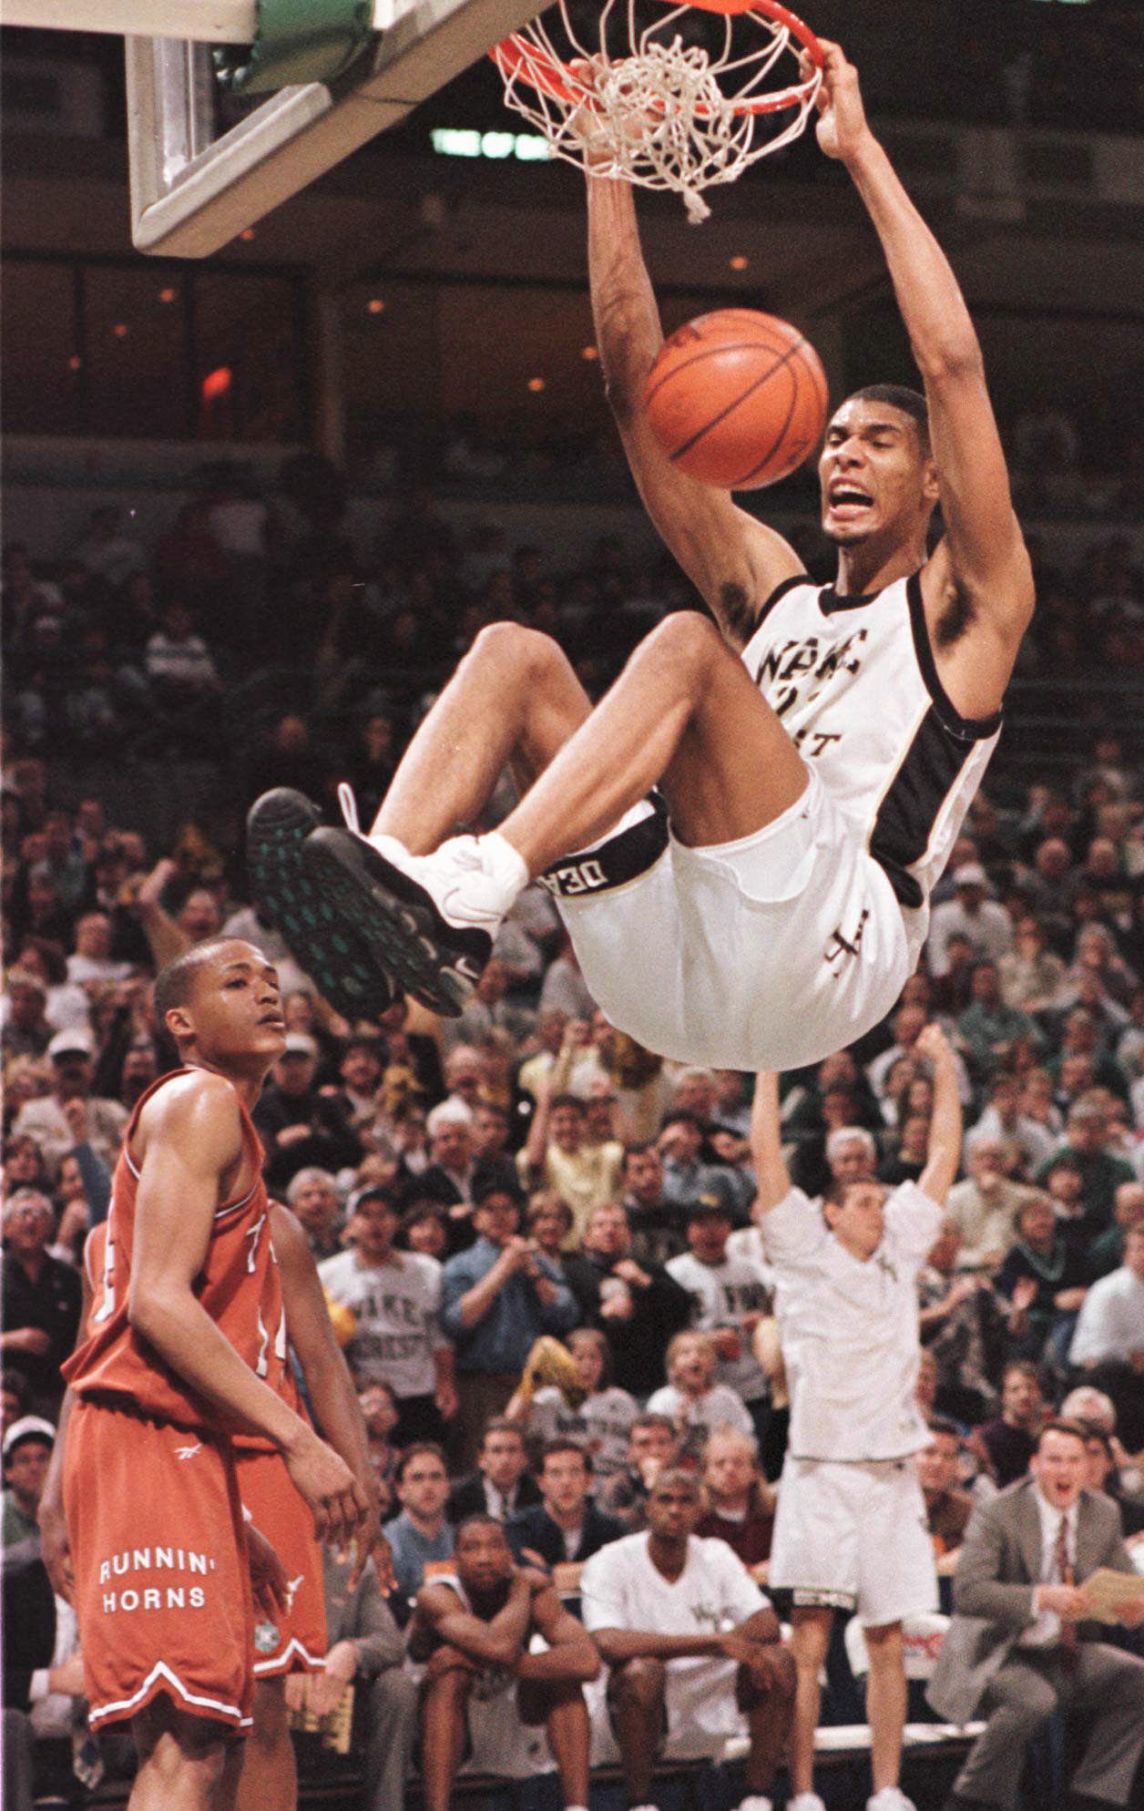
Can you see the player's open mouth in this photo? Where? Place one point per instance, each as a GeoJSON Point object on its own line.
{"type": "Point", "coordinates": [848, 496]}
{"type": "Point", "coordinates": [273, 1020]}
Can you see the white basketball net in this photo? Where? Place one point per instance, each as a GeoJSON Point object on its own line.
{"type": "Point", "coordinates": [665, 115]}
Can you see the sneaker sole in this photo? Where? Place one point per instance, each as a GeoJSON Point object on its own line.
{"type": "Point", "coordinates": [408, 937]}
{"type": "Point", "coordinates": [340, 964]}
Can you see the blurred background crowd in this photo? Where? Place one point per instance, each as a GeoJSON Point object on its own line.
{"type": "Point", "coordinates": [602, 1196]}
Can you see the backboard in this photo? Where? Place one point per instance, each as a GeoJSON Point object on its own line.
{"type": "Point", "coordinates": [194, 186]}
{"type": "Point", "coordinates": [204, 168]}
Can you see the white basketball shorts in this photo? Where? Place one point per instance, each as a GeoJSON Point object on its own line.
{"type": "Point", "coordinates": [854, 1537]}
{"type": "Point", "coordinates": [770, 952]}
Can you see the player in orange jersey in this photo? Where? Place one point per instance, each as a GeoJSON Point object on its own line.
{"type": "Point", "coordinates": [290, 1637]}
{"type": "Point", "coordinates": [292, 1643]}
{"type": "Point", "coordinates": [170, 1370]}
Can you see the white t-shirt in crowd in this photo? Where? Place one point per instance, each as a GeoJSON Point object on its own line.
{"type": "Point", "coordinates": [601, 1423]}
{"type": "Point", "coordinates": [395, 1306]}
{"type": "Point", "coordinates": [719, 1407]}
{"type": "Point", "coordinates": [722, 1294]}
{"type": "Point", "coordinates": [1111, 1323]}
{"type": "Point", "coordinates": [621, 1588]}
{"type": "Point", "coordinates": [849, 1329]}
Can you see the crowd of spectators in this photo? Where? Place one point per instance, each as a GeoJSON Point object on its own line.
{"type": "Point", "coordinates": [259, 630]}
{"type": "Point", "coordinates": [535, 1237]}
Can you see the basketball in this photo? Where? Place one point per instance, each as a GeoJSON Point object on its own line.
{"type": "Point", "coordinates": [737, 398]}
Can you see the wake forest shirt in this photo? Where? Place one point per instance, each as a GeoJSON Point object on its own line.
{"type": "Point", "coordinates": [395, 1306]}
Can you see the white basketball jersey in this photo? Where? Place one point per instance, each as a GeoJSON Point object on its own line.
{"type": "Point", "coordinates": [856, 686]}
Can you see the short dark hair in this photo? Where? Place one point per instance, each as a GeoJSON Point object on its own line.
{"type": "Point", "coordinates": [421, 1209]}
{"type": "Point", "coordinates": [941, 1424]}
{"type": "Point", "coordinates": [836, 1191]}
{"type": "Point", "coordinates": [682, 1116]}
{"type": "Point", "coordinates": [1093, 1431]}
{"type": "Point", "coordinates": [418, 1450]}
{"type": "Point", "coordinates": [899, 396]}
{"type": "Point", "coordinates": [500, 1424]}
{"type": "Point", "coordinates": [651, 1418]}
{"type": "Point", "coordinates": [567, 1100]}
{"type": "Point", "coordinates": [552, 1447]}
{"type": "Point", "coordinates": [480, 1520]}
{"type": "Point", "coordinates": [1025, 1367]}
{"type": "Point", "coordinates": [174, 984]}
{"type": "Point", "coordinates": [377, 1191]}
{"type": "Point", "coordinates": [674, 1477]}
{"type": "Point", "coordinates": [1060, 1425]}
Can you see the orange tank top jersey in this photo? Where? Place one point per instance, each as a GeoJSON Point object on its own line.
{"type": "Point", "coordinates": [237, 1286]}
{"type": "Point", "coordinates": [273, 1361]}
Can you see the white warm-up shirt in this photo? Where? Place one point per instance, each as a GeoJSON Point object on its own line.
{"type": "Point", "coordinates": [620, 1588]}
{"type": "Point", "coordinates": [849, 1329]}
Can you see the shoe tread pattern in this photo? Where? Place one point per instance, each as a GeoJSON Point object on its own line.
{"type": "Point", "coordinates": [340, 963]}
{"type": "Point", "coordinates": [435, 963]}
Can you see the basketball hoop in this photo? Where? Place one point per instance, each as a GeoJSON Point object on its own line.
{"type": "Point", "coordinates": [655, 111]}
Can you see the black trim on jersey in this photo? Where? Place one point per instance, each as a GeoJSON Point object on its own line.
{"type": "Point", "coordinates": [780, 590]}
{"type": "Point", "coordinates": [966, 729]}
{"type": "Point", "coordinates": [830, 602]}
{"type": "Point", "coordinates": [613, 863]}
{"type": "Point", "coordinates": [913, 799]}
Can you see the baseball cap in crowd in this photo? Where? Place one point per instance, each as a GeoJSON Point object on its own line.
{"type": "Point", "coordinates": [374, 1191]}
{"type": "Point", "coordinates": [300, 1043]}
{"type": "Point", "coordinates": [970, 874]}
{"type": "Point", "coordinates": [73, 1042]}
{"type": "Point", "coordinates": [717, 1196]}
{"type": "Point", "coordinates": [496, 1176]}
{"type": "Point", "coordinates": [29, 1427]}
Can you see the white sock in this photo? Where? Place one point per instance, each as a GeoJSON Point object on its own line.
{"type": "Point", "coordinates": [504, 863]}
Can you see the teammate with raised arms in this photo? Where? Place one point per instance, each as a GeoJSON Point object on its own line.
{"type": "Point", "coordinates": [816, 752]}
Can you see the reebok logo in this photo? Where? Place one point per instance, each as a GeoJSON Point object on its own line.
{"type": "Point", "coordinates": [188, 1452]}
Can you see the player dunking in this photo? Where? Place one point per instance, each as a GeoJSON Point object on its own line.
{"type": "Point", "coordinates": [169, 1371]}
{"type": "Point", "coordinates": [816, 757]}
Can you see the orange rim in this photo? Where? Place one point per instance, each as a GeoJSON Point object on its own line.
{"type": "Point", "coordinates": [515, 56]}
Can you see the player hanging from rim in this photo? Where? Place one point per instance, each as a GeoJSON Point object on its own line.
{"type": "Point", "coordinates": [172, 1367]}
{"type": "Point", "coordinates": [816, 757]}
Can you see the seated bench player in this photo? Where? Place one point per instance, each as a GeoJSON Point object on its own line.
{"type": "Point", "coordinates": [693, 1649]}
{"type": "Point", "coordinates": [483, 1688]}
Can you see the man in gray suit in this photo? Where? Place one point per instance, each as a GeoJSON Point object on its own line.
{"type": "Point", "coordinates": [366, 1648]}
{"type": "Point", "coordinates": [1018, 1646]}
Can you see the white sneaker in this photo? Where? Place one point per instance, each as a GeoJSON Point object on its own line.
{"type": "Point", "coordinates": [473, 880]}
{"type": "Point", "coordinates": [756, 1801]}
{"type": "Point", "coordinates": [429, 920]}
{"type": "Point", "coordinates": [805, 1801]}
{"type": "Point", "coordinates": [890, 1798]}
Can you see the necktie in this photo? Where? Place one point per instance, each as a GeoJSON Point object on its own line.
{"type": "Point", "coordinates": [1069, 1642]}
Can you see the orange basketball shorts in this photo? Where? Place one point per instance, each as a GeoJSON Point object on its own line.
{"type": "Point", "coordinates": [296, 1640]}
{"type": "Point", "coordinates": [158, 1543]}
